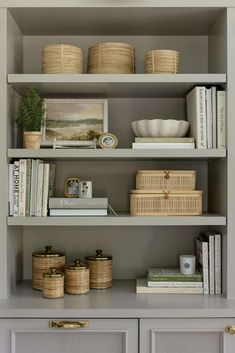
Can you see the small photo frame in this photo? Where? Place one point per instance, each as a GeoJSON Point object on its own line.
{"type": "Point", "coordinates": [71, 187]}
{"type": "Point", "coordinates": [108, 140]}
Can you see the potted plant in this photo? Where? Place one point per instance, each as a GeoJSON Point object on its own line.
{"type": "Point", "coordinates": [30, 118]}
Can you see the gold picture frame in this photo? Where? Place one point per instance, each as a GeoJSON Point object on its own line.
{"type": "Point", "coordinates": [108, 140]}
{"type": "Point", "coordinates": [71, 186]}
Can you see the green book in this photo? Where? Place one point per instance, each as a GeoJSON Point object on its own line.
{"type": "Point", "coordinates": [165, 139]}
{"type": "Point", "coordinates": [171, 275]}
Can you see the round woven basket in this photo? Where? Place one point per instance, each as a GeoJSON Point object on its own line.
{"type": "Point", "coordinates": [162, 62]}
{"type": "Point", "coordinates": [53, 284]}
{"type": "Point", "coordinates": [100, 267]}
{"type": "Point", "coordinates": [111, 58]}
{"type": "Point", "coordinates": [62, 59]}
{"type": "Point", "coordinates": [77, 279]}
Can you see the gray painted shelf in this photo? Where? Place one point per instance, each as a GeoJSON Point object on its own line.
{"type": "Point", "coordinates": [208, 219]}
{"type": "Point", "coordinates": [119, 85]}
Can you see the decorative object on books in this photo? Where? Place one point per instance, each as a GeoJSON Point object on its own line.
{"type": "Point", "coordinates": [166, 203]}
{"type": "Point", "coordinates": [77, 278]}
{"type": "Point", "coordinates": [62, 59]}
{"type": "Point", "coordinates": [187, 264]}
{"type": "Point", "coordinates": [71, 187]}
{"type": "Point", "coordinates": [42, 262]}
{"type": "Point", "coordinates": [85, 189]}
{"type": "Point", "coordinates": [165, 179]}
{"type": "Point", "coordinates": [111, 58]}
{"type": "Point", "coordinates": [53, 284]}
{"type": "Point", "coordinates": [30, 118]}
{"type": "Point", "coordinates": [108, 140]}
{"type": "Point", "coordinates": [72, 121]}
{"type": "Point", "coordinates": [100, 266]}
{"type": "Point", "coordinates": [160, 128]}
{"type": "Point", "coordinates": [162, 62]}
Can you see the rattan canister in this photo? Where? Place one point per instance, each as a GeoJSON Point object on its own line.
{"type": "Point", "coordinates": [42, 262]}
{"type": "Point", "coordinates": [53, 284]}
{"type": "Point", "coordinates": [162, 62]}
{"type": "Point", "coordinates": [77, 278]}
{"type": "Point", "coordinates": [111, 58]}
{"type": "Point", "coordinates": [62, 59]}
{"type": "Point", "coordinates": [100, 266]}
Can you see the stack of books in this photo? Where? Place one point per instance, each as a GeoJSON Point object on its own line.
{"type": "Point", "coordinates": [163, 142]}
{"type": "Point", "coordinates": [206, 112]}
{"type": "Point", "coordinates": [170, 280]}
{"type": "Point", "coordinates": [65, 207]}
{"type": "Point", "coordinates": [31, 183]}
{"type": "Point", "coordinates": [208, 251]}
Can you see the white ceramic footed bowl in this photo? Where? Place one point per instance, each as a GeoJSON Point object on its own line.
{"type": "Point", "coordinates": [160, 128]}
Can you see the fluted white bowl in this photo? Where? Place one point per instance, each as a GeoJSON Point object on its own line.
{"type": "Point", "coordinates": [160, 128]}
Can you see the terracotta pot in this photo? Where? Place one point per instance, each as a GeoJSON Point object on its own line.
{"type": "Point", "coordinates": [32, 139]}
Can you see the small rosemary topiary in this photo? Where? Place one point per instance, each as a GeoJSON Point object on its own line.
{"type": "Point", "coordinates": [30, 113]}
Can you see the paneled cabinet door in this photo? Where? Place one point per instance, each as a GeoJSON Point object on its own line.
{"type": "Point", "coordinates": [187, 335]}
{"type": "Point", "coordinates": [80, 336]}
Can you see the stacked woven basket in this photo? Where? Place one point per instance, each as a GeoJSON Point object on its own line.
{"type": "Point", "coordinates": [165, 193]}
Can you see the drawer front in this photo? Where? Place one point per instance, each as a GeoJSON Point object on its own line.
{"type": "Point", "coordinates": [186, 336]}
{"type": "Point", "coordinates": [80, 336]}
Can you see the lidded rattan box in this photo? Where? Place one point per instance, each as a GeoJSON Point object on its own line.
{"type": "Point", "coordinates": [77, 278]}
{"type": "Point", "coordinates": [100, 266]}
{"type": "Point", "coordinates": [53, 284]}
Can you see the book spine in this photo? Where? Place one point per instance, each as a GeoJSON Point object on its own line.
{"type": "Point", "coordinates": [217, 263]}
{"type": "Point", "coordinates": [11, 189]}
{"type": "Point", "coordinates": [221, 119]}
{"type": "Point", "coordinates": [16, 189]}
{"type": "Point", "coordinates": [22, 187]}
{"type": "Point", "coordinates": [212, 263]}
{"type": "Point", "coordinates": [38, 212]}
{"type": "Point", "coordinates": [33, 185]}
{"type": "Point", "coordinates": [175, 279]}
{"type": "Point", "coordinates": [78, 203]}
{"type": "Point", "coordinates": [28, 186]}
{"type": "Point", "coordinates": [162, 145]}
{"type": "Point", "coordinates": [205, 268]}
{"type": "Point", "coordinates": [165, 139]}
{"type": "Point", "coordinates": [209, 117]}
{"type": "Point", "coordinates": [52, 173]}
{"type": "Point", "coordinates": [214, 124]}
{"type": "Point", "coordinates": [45, 189]}
{"type": "Point", "coordinates": [174, 284]}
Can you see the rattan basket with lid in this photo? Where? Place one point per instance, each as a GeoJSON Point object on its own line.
{"type": "Point", "coordinates": [53, 284]}
{"type": "Point", "coordinates": [42, 262]}
{"type": "Point", "coordinates": [162, 62]}
{"type": "Point", "coordinates": [100, 266]}
{"type": "Point", "coordinates": [77, 279]}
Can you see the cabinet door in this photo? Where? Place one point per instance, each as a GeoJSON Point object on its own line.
{"type": "Point", "coordinates": [187, 336]}
{"type": "Point", "coordinates": [100, 336]}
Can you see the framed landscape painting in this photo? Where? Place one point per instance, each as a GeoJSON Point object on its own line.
{"type": "Point", "coordinates": [74, 121]}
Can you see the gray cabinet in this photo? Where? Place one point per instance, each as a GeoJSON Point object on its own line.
{"type": "Point", "coordinates": [186, 336]}
{"type": "Point", "coordinates": [97, 336]}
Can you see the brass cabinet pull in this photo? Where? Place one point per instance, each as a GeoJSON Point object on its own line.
{"type": "Point", "coordinates": [68, 324]}
{"type": "Point", "coordinates": [231, 330]}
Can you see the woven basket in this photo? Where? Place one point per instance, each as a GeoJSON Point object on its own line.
{"type": "Point", "coordinates": [165, 180]}
{"type": "Point", "coordinates": [77, 279]}
{"type": "Point", "coordinates": [42, 262]}
{"type": "Point", "coordinates": [111, 58]}
{"type": "Point", "coordinates": [53, 284]}
{"type": "Point", "coordinates": [62, 59]}
{"type": "Point", "coordinates": [161, 203]}
{"type": "Point", "coordinates": [162, 62]}
{"type": "Point", "coordinates": [100, 267]}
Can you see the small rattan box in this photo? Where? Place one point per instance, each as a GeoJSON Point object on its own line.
{"type": "Point", "coordinates": [100, 266]}
{"type": "Point", "coordinates": [53, 284]}
{"type": "Point", "coordinates": [162, 62]}
{"type": "Point", "coordinates": [77, 278]}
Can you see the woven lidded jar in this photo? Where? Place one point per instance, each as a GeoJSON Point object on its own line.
{"type": "Point", "coordinates": [111, 58]}
{"type": "Point", "coordinates": [162, 62]}
{"type": "Point", "coordinates": [53, 284]}
{"type": "Point", "coordinates": [42, 262]}
{"type": "Point", "coordinates": [100, 266]}
{"type": "Point", "coordinates": [62, 59]}
{"type": "Point", "coordinates": [77, 278]}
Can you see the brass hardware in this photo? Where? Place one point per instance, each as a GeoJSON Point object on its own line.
{"type": "Point", "coordinates": [166, 193]}
{"type": "Point", "coordinates": [167, 174]}
{"type": "Point", "coordinates": [231, 330]}
{"type": "Point", "coordinates": [68, 324]}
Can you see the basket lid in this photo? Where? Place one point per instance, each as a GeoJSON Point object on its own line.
{"type": "Point", "coordinates": [163, 192]}
{"type": "Point", "coordinates": [76, 266]}
{"type": "Point", "coordinates": [166, 171]}
{"type": "Point", "coordinates": [48, 253]}
{"type": "Point", "coordinates": [53, 273]}
{"type": "Point", "coordinates": [99, 256]}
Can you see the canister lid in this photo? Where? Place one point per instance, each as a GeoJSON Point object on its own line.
{"type": "Point", "coordinates": [76, 266]}
{"type": "Point", "coordinates": [99, 256]}
{"type": "Point", "coordinates": [48, 253]}
{"type": "Point", "coordinates": [53, 273]}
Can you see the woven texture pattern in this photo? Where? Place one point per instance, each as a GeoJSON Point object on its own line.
{"type": "Point", "coordinates": [162, 62]}
{"type": "Point", "coordinates": [77, 281]}
{"type": "Point", "coordinates": [53, 287]}
{"type": "Point", "coordinates": [42, 265]}
{"type": "Point", "coordinates": [100, 273]}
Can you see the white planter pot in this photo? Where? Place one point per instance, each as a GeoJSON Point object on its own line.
{"type": "Point", "coordinates": [32, 139]}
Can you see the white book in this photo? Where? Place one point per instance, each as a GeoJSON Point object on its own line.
{"type": "Point", "coordinates": [45, 192]}
{"type": "Point", "coordinates": [11, 189]}
{"type": "Point", "coordinates": [22, 187]}
{"type": "Point", "coordinates": [152, 145]}
{"type": "Point", "coordinates": [196, 115]}
{"type": "Point", "coordinates": [156, 284]}
{"type": "Point", "coordinates": [16, 188]}
{"type": "Point", "coordinates": [211, 248]}
{"type": "Point", "coordinates": [142, 288]}
{"type": "Point", "coordinates": [34, 186]}
{"type": "Point", "coordinates": [218, 285]}
{"type": "Point", "coordinates": [221, 119]}
{"type": "Point", "coordinates": [203, 262]}
{"type": "Point", "coordinates": [209, 117]}
{"type": "Point", "coordinates": [77, 212]}
{"type": "Point", "coordinates": [38, 211]}
{"type": "Point", "coordinates": [214, 118]}
{"type": "Point", "coordinates": [28, 186]}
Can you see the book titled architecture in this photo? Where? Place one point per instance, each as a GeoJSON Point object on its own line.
{"type": "Point", "coordinates": [142, 288]}
{"type": "Point", "coordinates": [22, 187]}
{"type": "Point", "coordinates": [221, 119]}
{"type": "Point", "coordinates": [171, 275]}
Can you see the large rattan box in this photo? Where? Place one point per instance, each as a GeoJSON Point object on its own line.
{"type": "Point", "coordinates": [166, 203]}
{"type": "Point", "coordinates": [166, 180]}
{"type": "Point", "coordinates": [100, 266]}
{"type": "Point", "coordinates": [162, 62]}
